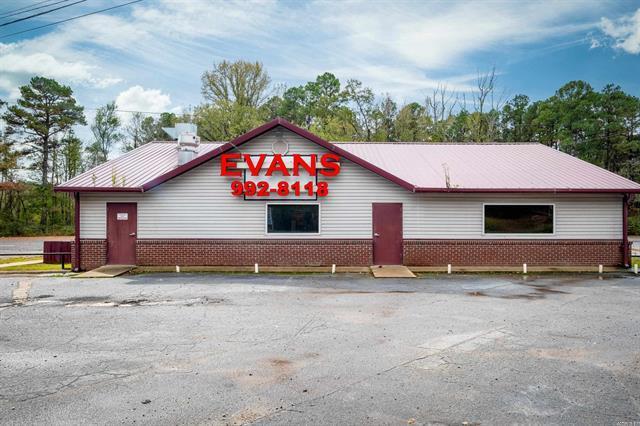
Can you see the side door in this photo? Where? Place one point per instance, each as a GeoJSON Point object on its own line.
{"type": "Point", "coordinates": [387, 233]}
{"type": "Point", "coordinates": [122, 229]}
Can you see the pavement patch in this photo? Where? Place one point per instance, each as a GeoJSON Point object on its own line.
{"type": "Point", "coordinates": [106, 302]}
{"type": "Point", "coordinates": [71, 303]}
{"type": "Point", "coordinates": [20, 294]}
{"type": "Point", "coordinates": [465, 341]}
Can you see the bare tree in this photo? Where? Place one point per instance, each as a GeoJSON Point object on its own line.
{"type": "Point", "coordinates": [135, 132]}
{"type": "Point", "coordinates": [364, 102]}
{"type": "Point", "coordinates": [106, 133]}
{"type": "Point", "coordinates": [439, 108]}
{"type": "Point", "coordinates": [486, 105]}
{"type": "Point", "coordinates": [242, 83]}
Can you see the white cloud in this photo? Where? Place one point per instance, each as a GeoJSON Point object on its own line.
{"type": "Point", "coordinates": [46, 65]}
{"type": "Point", "coordinates": [102, 50]}
{"type": "Point", "coordinates": [137, 98]}
{"type": "Point", "coordinates": [433, 35]}
{"type": "Point", "coordinates": [400, 47]}
{"type": "Point", "coordinates": [10, 88]}
{"type": "Point", "coordinates": [624, 31]}
{"type": "Point", "coordinates": [408, 48]}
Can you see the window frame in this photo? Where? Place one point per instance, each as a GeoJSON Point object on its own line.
{"type": "Point", "coordinates": [292, 234]}
{"type": "Point", "coordinates": [518, 234]}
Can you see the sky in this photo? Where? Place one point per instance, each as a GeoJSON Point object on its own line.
{"type": "Point", "coordinates": [149, 56]}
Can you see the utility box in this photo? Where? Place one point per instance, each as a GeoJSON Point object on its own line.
{"type": "Point", "coordinates": [56, 247]}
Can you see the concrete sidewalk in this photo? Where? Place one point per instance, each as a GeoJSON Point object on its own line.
{"type": "Point", "coordinates": [24, 262]}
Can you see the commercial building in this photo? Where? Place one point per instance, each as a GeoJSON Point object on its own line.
{"type": "Point", "coordinates": [280, 195]}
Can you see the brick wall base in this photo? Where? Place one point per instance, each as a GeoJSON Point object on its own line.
{"type": "Point", "coordinates": [193, 252]}
{"type": "Point", "coordinates": [513, 252]}
{"type": "Point", "coordinates": [92, 254]}
{"type": "Point", "coordinates": [247, 252]}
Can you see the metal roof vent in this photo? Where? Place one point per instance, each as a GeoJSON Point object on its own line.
{"type": "Point", "coordinates": [187, 147]}
{"type": "Point", "coordinates": [188, 141]}
{"type": "Point", "coordinates": [279, 146]}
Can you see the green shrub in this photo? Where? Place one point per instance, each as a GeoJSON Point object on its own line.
{"type": "Point", "coordinates": [633, 225]}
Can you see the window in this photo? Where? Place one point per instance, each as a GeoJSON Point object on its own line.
{"type": "Point", "coordinates": [518, 219]}
{"type": "Point", "coordinates": [293, 218]}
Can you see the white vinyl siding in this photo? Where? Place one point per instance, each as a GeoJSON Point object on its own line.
{"type": "Point", "coordinates": [198, 204]}
{"type": "Point", "coordinates": [460, 216]}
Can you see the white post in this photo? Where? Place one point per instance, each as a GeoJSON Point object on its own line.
{"type": "Point", "coordinates": [600, 269]}
{"type": "Point", "coordinates": [449, 268]}
{"type": "Point", "coordinates": [524, 268]}
{"type": "Point", "coordinates": [177, 269]}
{"type": "Point", "coordinates": [333, 268]}
{"type": "Point", "coordinates": [635, 268]}
{"type": "Point", "coordinates": [255, 269]}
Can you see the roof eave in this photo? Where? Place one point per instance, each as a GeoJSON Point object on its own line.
{"type": "Point", "coordinates": [532, 190]}
{"type": "Point", "coordinates": [95, 189]}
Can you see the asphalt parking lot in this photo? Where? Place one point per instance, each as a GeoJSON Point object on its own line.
{"type": "Point", "coordinates": [343, 349]}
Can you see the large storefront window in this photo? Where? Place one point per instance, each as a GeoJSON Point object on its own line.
{"type": "Point", "coordinates": [293, 218]}
{"type": "Point", "coordinates": [518, 219]}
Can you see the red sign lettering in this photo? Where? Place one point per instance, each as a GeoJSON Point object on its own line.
{"type": "Point", "coordinates": [298, 166]}
{"type": "Point", "coordinates": [330, 161]}
{"type": "Point", "coordinates": [226, 162]}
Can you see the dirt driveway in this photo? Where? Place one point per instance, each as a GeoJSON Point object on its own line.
{"type": "Point", "coordinates": [271, 349]}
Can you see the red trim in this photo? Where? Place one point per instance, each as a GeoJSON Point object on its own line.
{"type": "Point", "coordinates": [161, 179]}
{"type": "Point", "coordinates": [625, 234]}
{"type": "Point", "coordinates": [76, 220]}
{"type": "Point", "coordinates": [95, 189]}
{"type": "Point", "coordinates": [529, 190]}
{"type": "Point", "coordinates": [240, 140]}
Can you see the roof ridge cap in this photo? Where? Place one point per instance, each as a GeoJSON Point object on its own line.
{"type": "Point", "coordinates": [175, 142]}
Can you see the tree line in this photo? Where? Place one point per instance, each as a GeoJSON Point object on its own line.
{"type": "Point", "coordinates": [39, 148]}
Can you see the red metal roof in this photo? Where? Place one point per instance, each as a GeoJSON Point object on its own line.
{"type": "Point", "coordinates": [494, 167]}
{"type": "Point", "coordinates": [419, 167]}
{"type": "Point", "coordinates": [129, 172]}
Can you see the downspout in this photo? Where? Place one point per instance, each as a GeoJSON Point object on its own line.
{"type": "Point", "coordinates": [625, 232]}
{"type": "Point", "coordinates": [76, 219]}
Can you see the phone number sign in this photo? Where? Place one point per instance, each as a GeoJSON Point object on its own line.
{"type": "Point", "coordinates": [277, 176]}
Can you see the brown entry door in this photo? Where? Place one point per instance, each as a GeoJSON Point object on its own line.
{"type": "Point", "coordinates": [387, 233]}
{"type": "Point", "coordinates": [122, 227]}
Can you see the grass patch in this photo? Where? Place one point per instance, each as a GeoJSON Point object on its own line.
{"type": "Point", "coordinates": [36, 267]}
{"type": "Point", "coordinates": [4, 260]}
{"type": "Point", "coordinates": [635, 261]}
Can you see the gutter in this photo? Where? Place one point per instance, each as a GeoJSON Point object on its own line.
{"type": "Point", "coordinates": [529, 190]}
{"type": "Point", "coordinates": [627, 199]}
{"type": "Point", "coordinates": [96, 189]}
{"type": "Point", "coordinates": [406, 185]}
{"type": "Point", "coordinates": [76, 217]}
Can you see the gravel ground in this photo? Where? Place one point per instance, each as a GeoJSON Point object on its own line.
{"type": "Point", "coordinates": [343, 349]}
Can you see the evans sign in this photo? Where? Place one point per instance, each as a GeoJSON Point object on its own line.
{"type": "Point", "coordinates": [291, 176]}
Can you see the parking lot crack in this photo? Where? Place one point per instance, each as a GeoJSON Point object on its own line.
{"type": "Point", "coordinates": [376, 374]}
{"type": "Point", "coordinates": [110, 376]}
